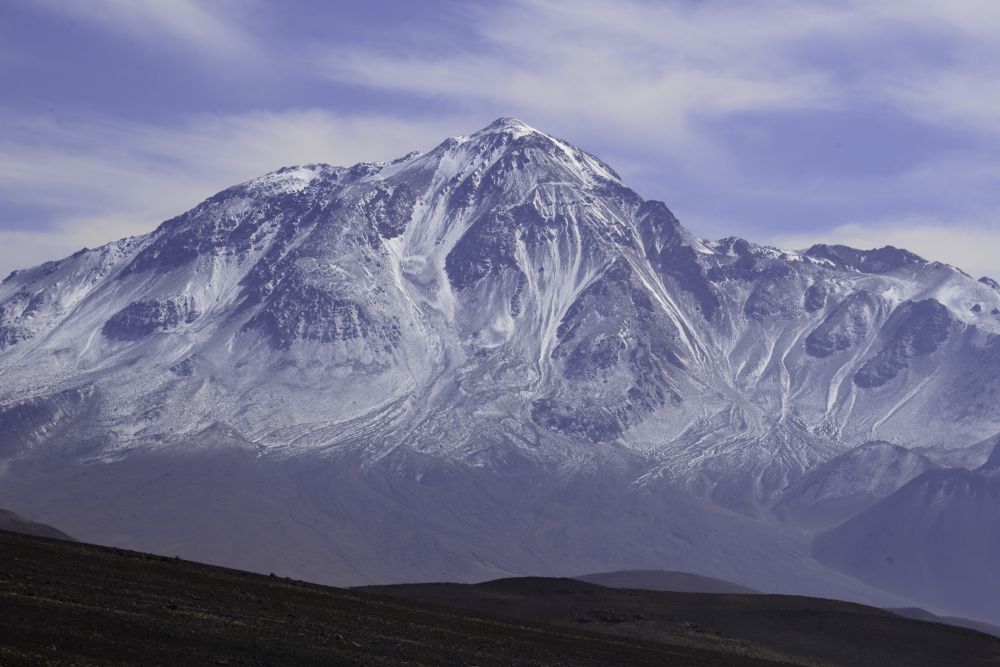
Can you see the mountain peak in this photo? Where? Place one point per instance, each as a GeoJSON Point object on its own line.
{"type": "Point", "coordinates": [508, 124]}
{"type": "Point", "coordinates": [512, 136]}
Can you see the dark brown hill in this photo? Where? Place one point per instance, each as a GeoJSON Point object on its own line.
{"type": "Point", "coordinates": [780, 627]}
{"type": "Point", "coordinates": [65, 603]}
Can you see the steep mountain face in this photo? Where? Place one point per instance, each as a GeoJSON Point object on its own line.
{"type": "Point", "coordinates": [836, 490]}
{"type": "Point", "coordinates": [502, 303]}
{"type": "Point", "coordinates": [994, 460]}
{"type": "Point", "coordinates": [937, 538]}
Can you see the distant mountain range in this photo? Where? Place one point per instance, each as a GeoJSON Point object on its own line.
{"type": "Point", "coordinates": [495, 358]}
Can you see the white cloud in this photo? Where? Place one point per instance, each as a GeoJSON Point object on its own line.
{"type": "Point", "coordinates": [208, 27]}
{"type": "Point", "coordinates": [655, 71]}
{"type": "Point", "coordinates": [962, 100]}
{"type": "Point", "coordinates": [953, 78]}
{"type": "Point", "coordinates": [646, 70]}
{"type": "Point", "coordinates": [655, 79]}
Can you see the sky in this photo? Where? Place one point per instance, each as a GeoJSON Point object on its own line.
{"type": "Point", "coordinates": [784, 122]}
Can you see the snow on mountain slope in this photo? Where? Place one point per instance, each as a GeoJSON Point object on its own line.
{"type": "Point", "coordinates": [501, 303]}
{"type": "Point", "coordinates": [505, 285]}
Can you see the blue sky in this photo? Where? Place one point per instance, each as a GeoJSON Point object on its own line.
{"type": "Point", "coordinates": [868, 123]}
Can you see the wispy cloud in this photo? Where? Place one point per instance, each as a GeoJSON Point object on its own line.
{"type": "Point", "coordinates": [967, 100]}
{"type": "Point", "coordinates": [648, 69]}
{"type": "Point", "coordinates": [659, 72]}
{"type": "Point", "coordinates": [665, 91]}
{"type": "Point", "coordinates": [207, 27]}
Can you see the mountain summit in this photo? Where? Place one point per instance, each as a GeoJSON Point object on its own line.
{"type": "Point", "coordinates": [500, 308]}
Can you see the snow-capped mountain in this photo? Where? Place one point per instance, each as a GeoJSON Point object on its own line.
{"type": "Point", "coordinates": [502, 309]}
